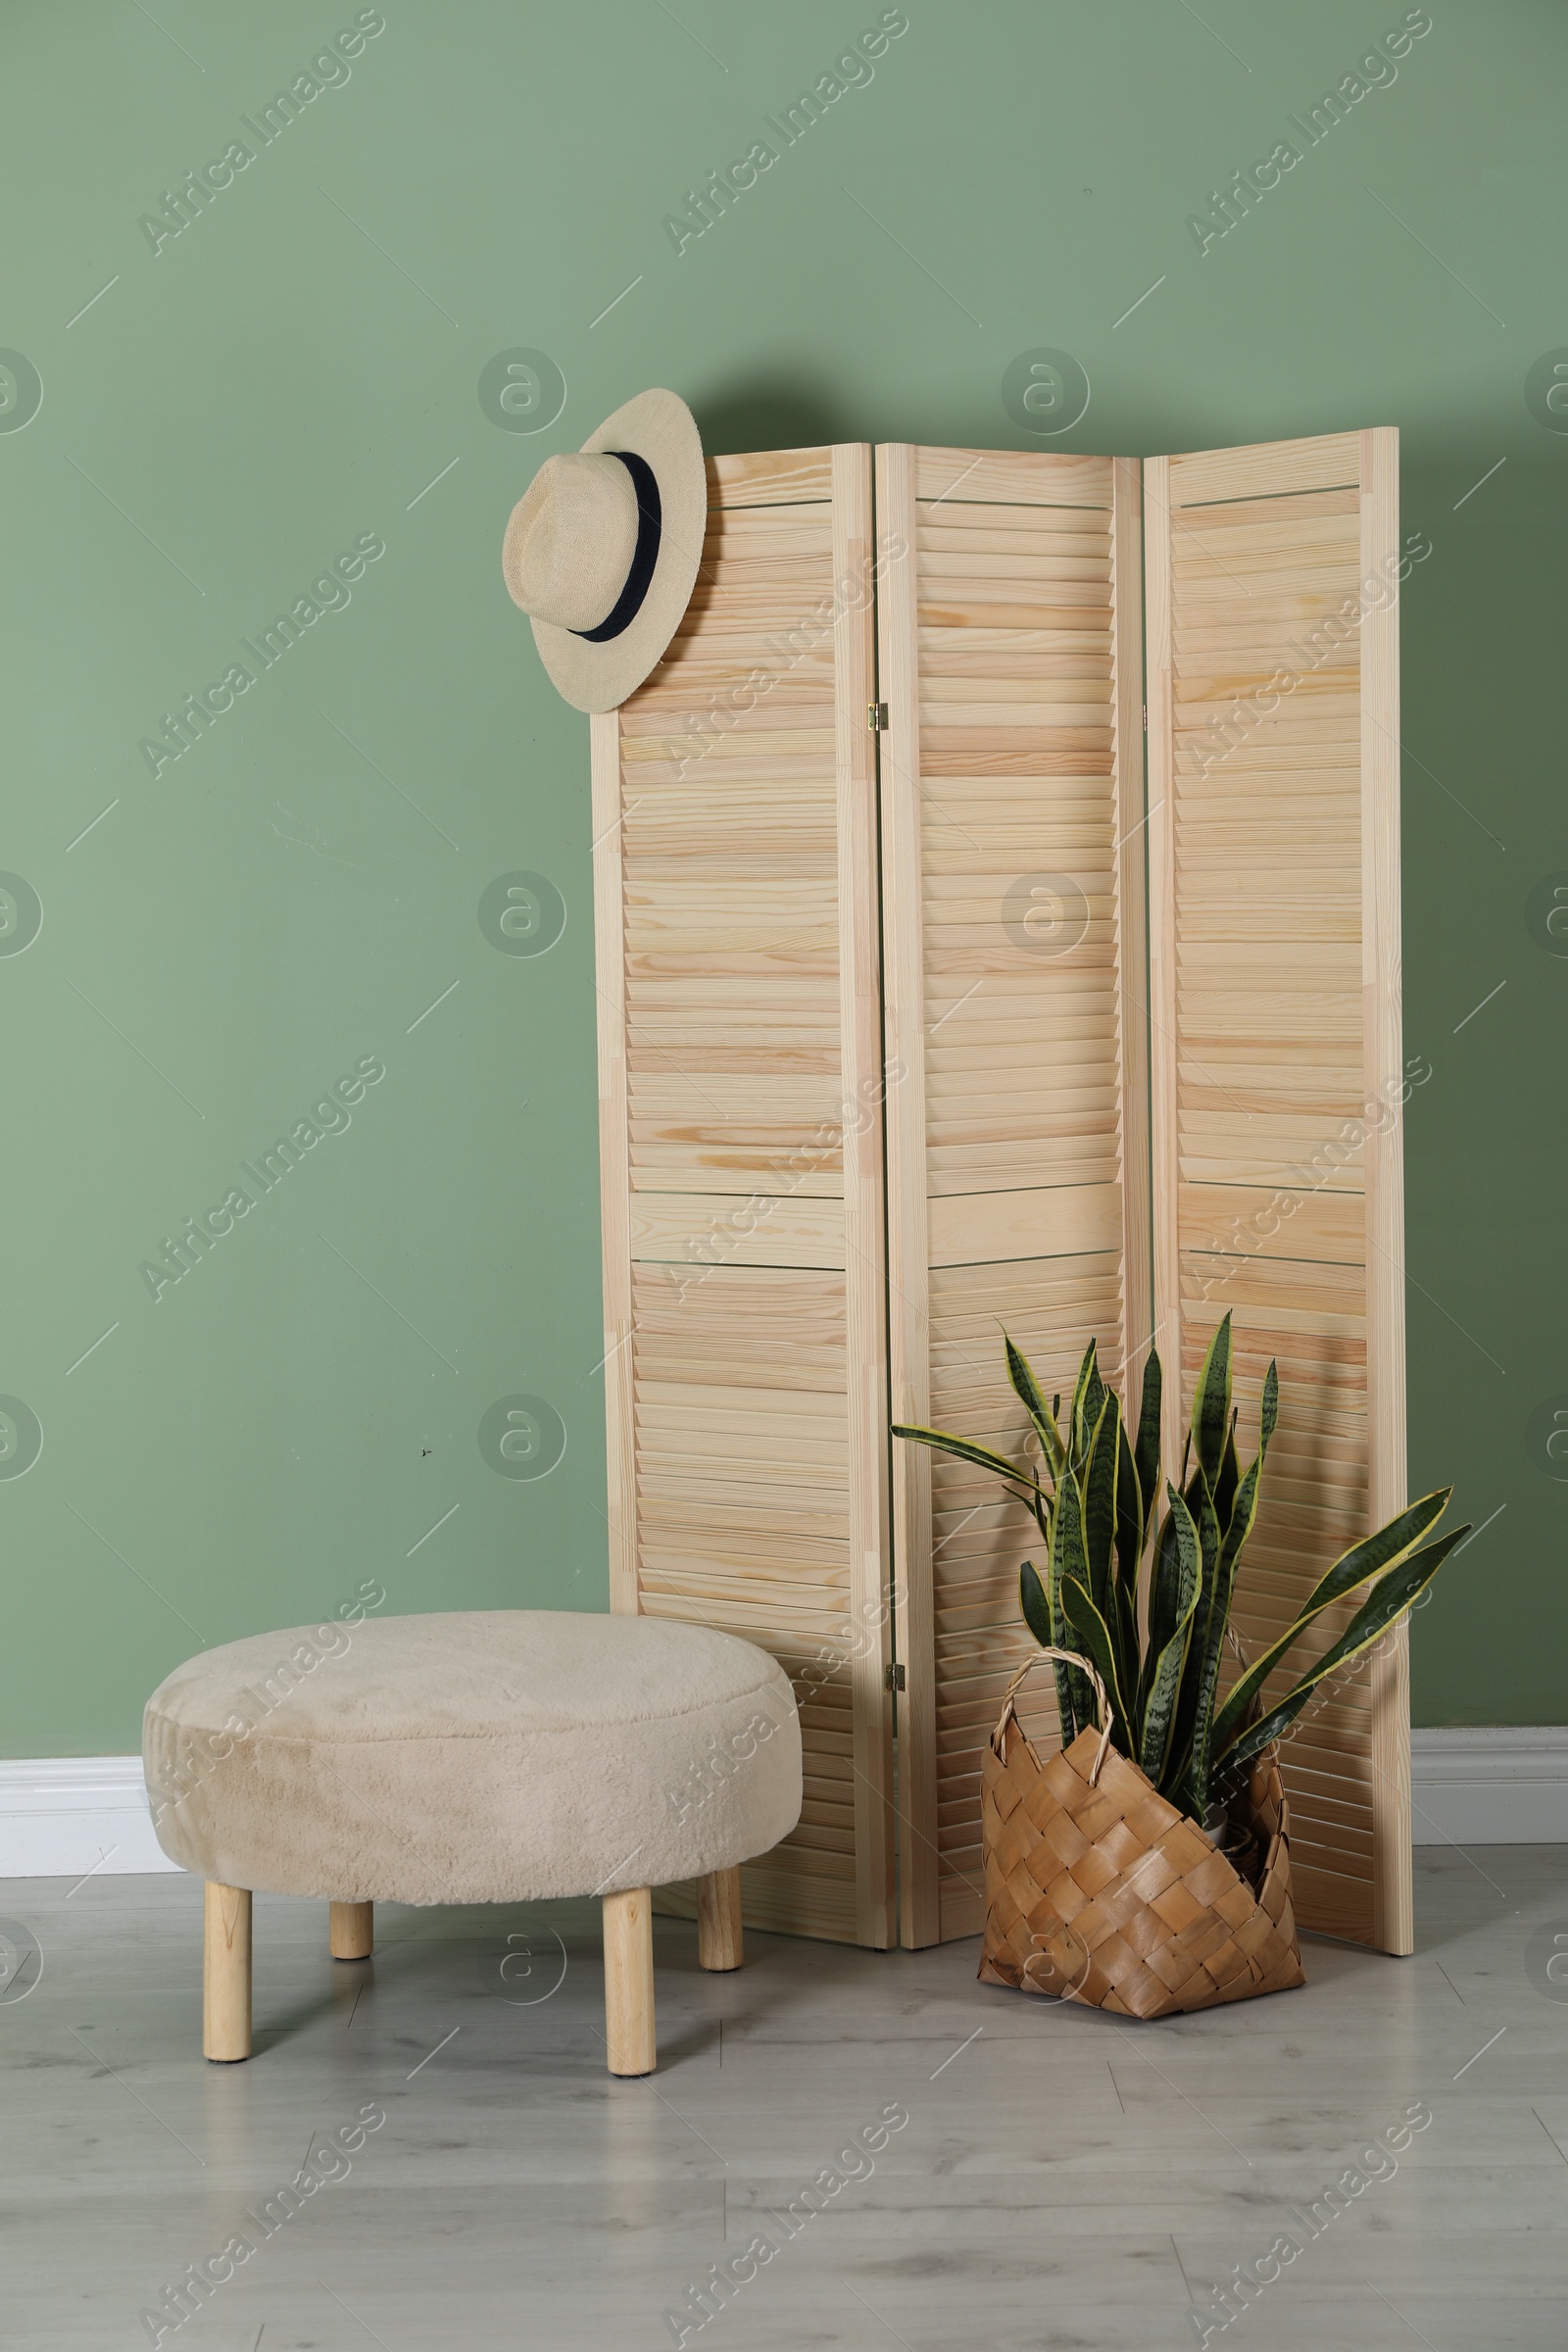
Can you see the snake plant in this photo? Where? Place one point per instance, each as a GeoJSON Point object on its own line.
{"type": "Point", "coordinates": [1149, 1605]}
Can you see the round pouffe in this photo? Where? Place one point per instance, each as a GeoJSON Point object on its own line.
{"type": "Point", "coordinates": [488, 1756]}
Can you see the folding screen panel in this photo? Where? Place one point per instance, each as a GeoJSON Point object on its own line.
{"type": "Point", "coordinates": [1014, 924]}
{"type": "Point", "coordinates": [740, 1042]}
{"type": "Point", "coordinates": [1274, 884]}
{"type": "Point", "coordinates": [769, 1000]}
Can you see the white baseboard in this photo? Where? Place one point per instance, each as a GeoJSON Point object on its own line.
{"type": "Point", "coordinates": [61, 1817]}
{"type": "Point", "coordinates": [1491, 1785]}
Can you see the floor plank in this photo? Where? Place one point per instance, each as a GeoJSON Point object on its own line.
{"type": "Point", "coordinates": [1060, 2178]}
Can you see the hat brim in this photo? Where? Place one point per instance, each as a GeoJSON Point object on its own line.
{"type": "Point", "coordinates": [658, 427]}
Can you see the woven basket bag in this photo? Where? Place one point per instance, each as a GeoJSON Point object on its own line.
{"type": "Point", "coordinates": [1100, 1891]}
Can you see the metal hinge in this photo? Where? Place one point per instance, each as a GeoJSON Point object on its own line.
{"type": "Point", "coordinates": [877, 717]}
{"type": "Point", "coordinates": [1146, 718]}
{"type": "Point", "coordinates": [894, 1677]}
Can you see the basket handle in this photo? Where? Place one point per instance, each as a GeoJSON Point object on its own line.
{"type": "Point", "coordinates": [1068, 1657]}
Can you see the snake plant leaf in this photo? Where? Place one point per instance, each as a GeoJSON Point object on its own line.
{"type": "Point", "coordinates": [1129, 1506]}
{"type": "Point", "coordinates": [1093, 1407]}
{"type": "Point", "coordinates": [1381, 1551]}
{"type": "Point", "coordinates": [1031, 1396]}
{"type": "Point", "coordinates": [1146, 1452]}
{"type": "Point", "coordinates": [1094, 1635]}
{"type": "Point", "coordinates": [1159, 1710]}
{"type": "Point", "coordinates": [1245, 1508]}
{"type": "Point", "coordinates": [1164, 1586]}
{"type": "Point", "coordinates": [1089, 1396]}
{"type": "Point", "coordinates": [1237, 1509]}
{"type": "Point", "coordinates": [1075, 1410]}
{"type": "Point", "coordinates": [1368, 1558]}
{"type": "Point", "coordinates": [1237, 1528]}
{"type": "Point", "coordinates": [1125, 1628]}
{"type": "Point", "coordinates": [1390, 1597]}
{"type": "Point", "coordinates": [1129, 1551]}
{"type": "Point", "coordinates": [1068, 1552]}
{"type": "Point", "coordinates": [1100, 1503]}
{"type": "Point", "coordinates": [1230, 1476]}
{"type": "Point", "coordinates": [1057, 1623]}
{"type": "Point", "coordinates": [1208, 1622]}
{"type": "Point", "coordinates": [964, 1450]}
{"type": "Point", "coordinates": [1242, 1513]}
{"type": "Point", "coordinates": [1211, 1403]}
{"type": "Point", "coordinates": [1069, 1558]}
{"type": "Point", "coordinates": [1057, 1639]}
{"type": "Point", "coordinates": [1161, 1609]}
{"type": "Point", "coordinates": [1111, 1465]}
{"type": "Point", "coordinates": [1035, 1605]}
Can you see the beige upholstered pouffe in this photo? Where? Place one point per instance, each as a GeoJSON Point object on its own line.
{"type": "Point", "coordinates": [491, 1756]}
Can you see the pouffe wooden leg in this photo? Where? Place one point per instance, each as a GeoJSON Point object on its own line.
{"type": "Point", "coordinates": [226, 1973]}
{"type": "Point", "coordinates": [629, 1981]}
{"type": "Point", "coordinates": [718, 1920]}
{"type": "Point", "coordinates": [352, 1931]}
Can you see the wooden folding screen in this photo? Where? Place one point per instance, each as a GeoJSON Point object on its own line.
{"type": "Point", "coordinates": [744, 1369]}
{"type": "Point", "coordinates": [772, 997]}
{"type": "Point", "coordinates": [1274, 722]}
{"type": "Point", "coordinates": [1014, 981]}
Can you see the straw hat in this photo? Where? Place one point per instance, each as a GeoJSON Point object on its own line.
{"type": "Point", "coordinates": [603, 547]}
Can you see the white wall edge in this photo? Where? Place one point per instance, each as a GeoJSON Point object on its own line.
{"type": "Point", "coordinates": [1491, 1785]}
{"type": "Point", "coordinates": [70, 1816]}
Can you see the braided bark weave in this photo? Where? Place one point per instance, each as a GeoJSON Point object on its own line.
{"type": "Point", "coordinates": [1104, 1894]}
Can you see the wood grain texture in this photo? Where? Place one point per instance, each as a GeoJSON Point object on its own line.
{"type": "Point", "coordinates": [1060, 1220]}
{"type": "Point", "coordinates": [226, 1973]}
{"type": "Point", "coordinates": [771, 477]}
{"type": "Point", "coordinates": [351, 1931]}
{"type": "Point", "coordinates": [720, 1941]}
{"type": "Point", "coordinates": [1012, 889]}
{"type": "Point", "coordinates": [694, 1232]}
{"type": "Point", "coordinates": [1130, 805]}
{"type": "Point", "coordinates": [1393, 1923]}
{"type": "Point", "coordinates": [1164, 1216]}
{"type": "Point", "coordinates": [630, 2040]}
{"type": "Point", "coordinates": [1276, 1063]}
{"type": "Point", "coordinates": [598, 2205]}
{"type": "Point", "coordinates": [1009, 478]}
{"type": "Point", "coordinates": [909, 1254]}
{"type": "Point", "coordinates": [862, 1119]}
{"type": "Point", "coordinates": [754, 1004]}
{"type": "Point", "coordinates": [740, 1007]}
{"type": "Point", "coordinates": [614, 1183]}
{"type": "Point", "coordinates": [1265, 470]}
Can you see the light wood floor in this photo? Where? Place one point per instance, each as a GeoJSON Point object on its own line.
{"type": "Point", "coordinates": [1061, 2181]}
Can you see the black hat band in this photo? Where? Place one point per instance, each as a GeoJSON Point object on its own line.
{"type": "Point", "coordinates": [645, 555]}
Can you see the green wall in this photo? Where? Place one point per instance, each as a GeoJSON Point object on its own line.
{"type": "Point", "coordinates": [288, 373]}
